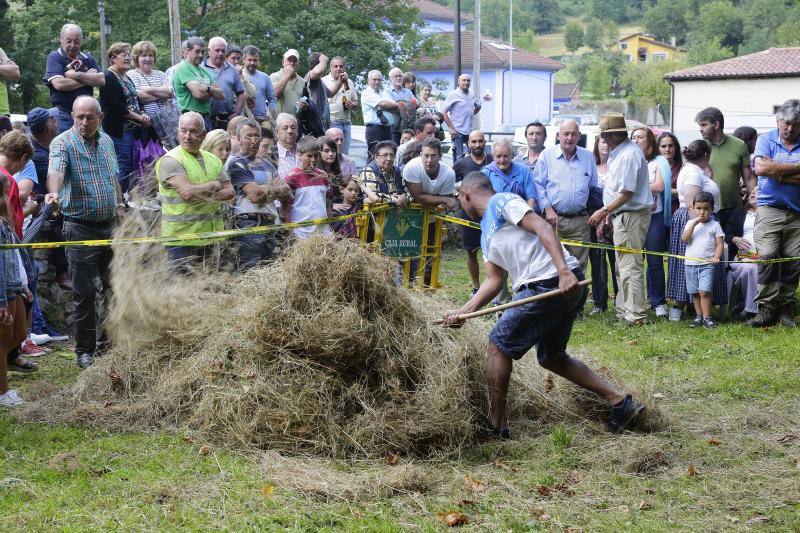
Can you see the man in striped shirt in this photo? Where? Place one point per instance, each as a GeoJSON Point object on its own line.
{"type": "Point", "coordinates": [83, 182]}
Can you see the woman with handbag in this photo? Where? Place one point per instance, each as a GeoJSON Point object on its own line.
{"type": "Point", "coordinates": [159, 104]}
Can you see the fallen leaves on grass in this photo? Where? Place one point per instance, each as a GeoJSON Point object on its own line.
{"type": "Point", "coordinates": [643, 505]}
{"type": "Point", "coordinates": [543, 490]}
{"type": "Point", "coordinates": [714, 442]}
{"type": "Point", "coordinates": [452, 518]}
{"type": "Point", "coordinates": [117, 384]}
{"type": "Point", "coordinates": [548, 383]}
{"type": "Point", "coordinates": [267, 489]}
{"type": "Point", "coordinates": [392, 459]}
{"type": "Point", "coordinates": [757, 519]}
{"type": "Point", "coordinates": [692, 471]}
{"type": "Point", "coordinates": [633, 342]}
{"type": "Point", "coordinates": [786, 439]}
{"type": "Point", "coordinates": [205, 449]}
{"type": "Point", "coordinates": [475, 484]}
{"type": "Point", "coordinates": [465, 502]}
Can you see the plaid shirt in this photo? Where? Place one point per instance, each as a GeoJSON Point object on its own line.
{"type": "Point", "coordinates": [90, 172]}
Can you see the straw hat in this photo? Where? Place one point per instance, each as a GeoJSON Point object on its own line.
{"type": "Point", "coordinates": [611, 122]}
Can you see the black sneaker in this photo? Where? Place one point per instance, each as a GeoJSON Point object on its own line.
{"type": "Point", "coordinates": [623, 414]}
{"type": "Point", "coordinates": [763, 319]}
{"type": "Point", "coordinates": [786, 321]}
{"type": "Point", "coordinates": [503, 433]}
{"type": "Point", "coordinates": [84, 360]}
{"type": "Point", "coordinates": [597, 311]}
{"type": "Point", "coordinates": [697, 322]}
{"type": "Point", "coordinates": [708, 323]}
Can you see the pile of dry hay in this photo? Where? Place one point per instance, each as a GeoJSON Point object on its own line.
{"type": "Point", "coordinates": [317, 353]}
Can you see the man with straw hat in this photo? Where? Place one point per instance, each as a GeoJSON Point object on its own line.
{"type": "Point", "coordinates": [626, 199]}
{"type": "Point", "coordinates": [516, 240]}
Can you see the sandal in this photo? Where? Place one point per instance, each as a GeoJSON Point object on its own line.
{"type": "Point", "coordinates": [23, 366]}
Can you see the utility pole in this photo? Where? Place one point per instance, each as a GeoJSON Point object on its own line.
{"type": "Point", "coordinates": [476, 61]}
{"type": "Point", "coordinates": [457, 43]}
{"type": "Point", "coordinates": [104, 27]}
{"type": "Point", "coordinates": [510, 57]}
{"type": "Point", "coordinates": [174, 31]}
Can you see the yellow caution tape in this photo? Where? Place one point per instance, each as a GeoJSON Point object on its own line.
{"type": "Point", "coordinates": [475, 225]}
{"type": "Point", "coordinates": [177, 239]}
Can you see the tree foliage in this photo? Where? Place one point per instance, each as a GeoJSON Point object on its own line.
{"type": "Point", "coordinates": [369, 34]}
{"type": "Point", "coordinates": [573, 36]}
{"type": "Point", "coordinates": [644, 83]}
{"type": "Point", "coordinates": [594, 34]}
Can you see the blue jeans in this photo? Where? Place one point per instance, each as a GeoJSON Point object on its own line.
{"type": "Point", "coordinates": [38, 323]}
{"type": "Point", "coordinates": [63, 120]}
{"type": "Point", "coordinates": [656, 241]}
{"type": "Point", "coordinates": [458, 145]}
{"type": "Point", "coordinates": [123, 146]}
{"type": "Point", "coordinates": [255, 248]}
{"type": "Point", "coordinates": [345, 127]}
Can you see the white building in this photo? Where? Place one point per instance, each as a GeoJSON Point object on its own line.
{"type": "Point", "coordinates": [747, 89]}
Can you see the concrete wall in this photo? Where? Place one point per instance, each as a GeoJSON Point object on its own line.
{"type": "Point", "coordinates": [743, 102]}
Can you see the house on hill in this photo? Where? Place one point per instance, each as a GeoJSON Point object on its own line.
{"type": "Point", "coordinates": [747, 89]}
{"type": "Point", "coordinates": [514, 90]}
{"type": "Point", "coordinates": [644, 48]}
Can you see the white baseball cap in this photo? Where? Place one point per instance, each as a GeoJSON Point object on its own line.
{"type": "Point", "coordinates": [291, 52]}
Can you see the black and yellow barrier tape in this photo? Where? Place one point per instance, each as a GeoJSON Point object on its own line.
{"type": "Point", "coordinates": [582, 244]}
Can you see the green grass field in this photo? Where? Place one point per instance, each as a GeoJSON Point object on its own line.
{"type": "Point", "coordinates": [729, 459]}
{"type": "Point", "coordinates": [552, 44]}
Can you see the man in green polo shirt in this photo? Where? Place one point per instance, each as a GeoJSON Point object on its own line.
{"type": "Point", "coordinates": [288, 85]}
{"type": "Point", "coordinates": [193, 85]}
{"type": "Point", "coordinates": [730, 161]}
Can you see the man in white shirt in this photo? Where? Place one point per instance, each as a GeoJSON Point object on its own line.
{"type": "Point", "coordinates": [516, 240]}
{"type": "Point", "coordinates": [376, 107]}
{"type": "Point", "coordinates": [343, 101]}
{"type": "Point", "coordinates": [286, 130]}
{"type": "Point", "coordinates": [429, 181]}
{"type": "Point", "coordinates": [627, 200]}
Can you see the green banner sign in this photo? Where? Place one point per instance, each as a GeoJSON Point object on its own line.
{"type": "Point", "coordinates": [402, 233]}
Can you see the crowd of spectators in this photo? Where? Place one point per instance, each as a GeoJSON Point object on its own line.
{"type": "Point", "coordinates": [229, 146]}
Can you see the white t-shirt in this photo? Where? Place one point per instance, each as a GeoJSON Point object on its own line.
{"type": "Point", "coordinates": [443, 185]}
{"type": "Point", "coordinates": [704, 241]}
{"type": "Point", "coordinates": [658, 204]}
{"type": "Point", "coordinates": [627, 170]}
{"type": "Point", "coordinates": [512, 248]}
{"type": "Point", "coordinates": [691, 174]}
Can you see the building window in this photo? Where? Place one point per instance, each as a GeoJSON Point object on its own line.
{"type": "Point", "coordinates": [642, 54]}
{"type": "Point", "coordinates": [628, 56]}
{"type": "Point", "coordinates": [659, 56]}
{"type": "Point", "coordinates": [624, 46]}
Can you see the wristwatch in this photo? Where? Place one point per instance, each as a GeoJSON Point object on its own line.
{"type": "Point", "coordinates": [208, 89]}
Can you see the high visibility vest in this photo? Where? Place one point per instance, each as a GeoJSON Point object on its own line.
{"type": "Point", "coordinates": [179, 217]}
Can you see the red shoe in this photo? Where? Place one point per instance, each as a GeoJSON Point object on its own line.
{"type": "Point", "coordinates": [30, 349]}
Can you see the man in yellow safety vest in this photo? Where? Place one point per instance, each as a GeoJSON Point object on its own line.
{"type": "Point", "coordinates": [192, 185]}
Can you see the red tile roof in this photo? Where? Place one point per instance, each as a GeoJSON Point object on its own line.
{"type": "Point", "coordinates": [434, 11]}
{"type": "Point", "coordinates": [772, 63]}
{"type": "Point", "coordinates": [494, 54]}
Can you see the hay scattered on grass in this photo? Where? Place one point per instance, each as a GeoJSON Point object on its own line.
{"type": "Point", "coordinates": [319, 353]}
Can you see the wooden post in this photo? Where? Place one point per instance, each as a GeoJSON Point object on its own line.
{"type": "Point", "coordinates": [174, 31]}
{"type": "Point", "coordinates": [457, 44]}
{"type": "Point", "coordinates": [476, 62]}
{"type": "Point", "coordinates": [101, 11]}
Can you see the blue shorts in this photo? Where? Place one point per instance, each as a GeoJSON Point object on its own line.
{"type": "Point", "coordinates": [699, 278]}
{"type": "Point", "coordinates": [546, 324]}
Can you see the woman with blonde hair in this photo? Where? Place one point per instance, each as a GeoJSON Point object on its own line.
{"type": "Point", "coordinates": [159, 102]}
{"type": "Point", "coordinates": [218, 142]}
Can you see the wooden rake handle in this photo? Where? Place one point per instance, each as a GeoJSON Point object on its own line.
{"type": "Point", "coordinates": [498, 308]}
